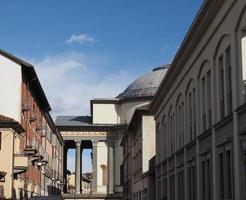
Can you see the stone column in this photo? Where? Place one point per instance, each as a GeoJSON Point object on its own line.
{"type": "Point", "coordinates": [78, 167]}
{"type": "Point", "coordinates": [94, 166]}
{"type": "Point", "coordinates": [65, 168]}
{"type": "Point", "coordinates": [110, 167]}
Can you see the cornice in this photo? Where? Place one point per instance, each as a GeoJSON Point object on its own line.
{"type": "Point", "coordinates": [197, 30]}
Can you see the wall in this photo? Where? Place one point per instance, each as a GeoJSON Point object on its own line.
{"type": "Point", "coordinates": [6, 155]}
{"type": "Point", "coordinates": [105, 113]}
{"type": "Point", "coordinates": [10, 88]}
{"type": "Point", "coordinates": [127, 109]}
{"type": "Point", "coordinates": [102, 159]}
{"type": "Point", "coordinates": [148, 141]}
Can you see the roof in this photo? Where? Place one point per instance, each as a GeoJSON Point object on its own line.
{"type": "Point", "coordinates": [29, 70]}
{"type": "Point", "coordinates": [73, 120]}
{"type": "Point", "coordinates": [6, 122]}
{"type": "Point", "coordinates": [146, 85]}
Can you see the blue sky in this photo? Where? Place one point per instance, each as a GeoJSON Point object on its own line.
{"type": "Point", "coordinates": [92, 48]}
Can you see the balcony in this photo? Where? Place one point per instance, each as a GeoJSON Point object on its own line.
{"type": "Point", "coordinates": [25, 105]}
{"type": "Point", "coordinates": [20, 163]}
{"type": "Point", "coordinates": [33, 117]}
{"type": "Point", "coordinates": [39, 126]}
{"type": "Point", "coordinates": [30, 150]}
{"type": "Point", "coordinates": [36, 158]}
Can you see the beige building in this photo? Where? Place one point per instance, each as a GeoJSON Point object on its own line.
{"type": "Point", "coordinates": [85, 183]}
{"type": "Point", "coordinates": [139, 141]}
{"type": "Point", "coordinates": [103, 132]}
{"type": "Point", "coordinates": [200, 109]}
{"type": "Point", "coordinates": [13, 162]}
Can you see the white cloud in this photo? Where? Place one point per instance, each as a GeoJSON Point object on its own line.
{"type": "Point", "coordinates": [70, 80]}
{"type": "Point", "coordinates": [81, 39]}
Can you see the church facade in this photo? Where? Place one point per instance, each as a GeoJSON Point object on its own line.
{"type": "Point", "coordinates": [103, 132]}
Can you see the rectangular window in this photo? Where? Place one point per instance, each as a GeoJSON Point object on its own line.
{"type": "Point", "coordinates": [221, 87]}
{"type": "Point", "coordinates": [221, 175]}
{"type": "Point", "coordinates": [192, 181]}
{"type": "Point", "coordinates": [209, 107]}
{"type": "Point", "coordinates": [229, 79]}
{"type": "Point", "coordinates": [190, 116]}
{"type": "Point", "coordinates": [194, 114]}
{"type": "Point", "coordinates": [203, 104]}
{"type": "Point", "coordinates": [228, 175]}
{"type": "Point", "coordinates": [180, 185]}
{"type": "Point", "coordinates": [203, 177]}
{"type": "Point", "coordinates": [225, 173]}
{"type": "Point", "coordinates": [172, 187]}
{"type": "Point", "coordinates": [209, 175]}
{"type": "Point", "coordinates": [165, 188]}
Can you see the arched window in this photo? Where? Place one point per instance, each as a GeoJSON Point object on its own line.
{"type": "Point", "coordinates": [191, 110]}
{"type": "Point", "coordinates": [104, 169]}
{"type": "Point", "coordinates": [171, 130]}
{"type": "Point", "coordinates": [241, 35]}
{"type": "Point", "coordinates": [164, 138]}
{"type": "Point", "coordinates": [180, 121]}
{"type": "Point", "coordinates": [222, 60]}
{"type": "Point", "coordinates": [205, 99]}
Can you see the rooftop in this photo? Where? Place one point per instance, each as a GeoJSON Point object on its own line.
{"type": "Point", "coordinates": [146, 85]}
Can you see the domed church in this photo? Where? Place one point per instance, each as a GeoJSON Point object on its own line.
{"type": "Point", "coordinates": [103, 132]}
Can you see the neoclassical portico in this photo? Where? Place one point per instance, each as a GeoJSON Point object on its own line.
{"type": "Point", "coordinates": [103, 140]}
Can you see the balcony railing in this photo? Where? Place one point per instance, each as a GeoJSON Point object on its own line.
{"type": "Point", "coordinates": [20, 163]}
{"type": "Point", "coordinates": [33, 117]}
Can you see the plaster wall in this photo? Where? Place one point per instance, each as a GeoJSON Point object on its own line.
{"type": "Point", "coordinates": [127, 109]}
{"type": "Point", "coordinates": [148, 141]}
{"type": "Point", "coordinates": [7, 159]}
{"type": "Point", "coordinates": [105, 113]}
{"type": "Point", "coordinates": [10, 88]}
{"type": "Point", "coordinates": [102, 160]}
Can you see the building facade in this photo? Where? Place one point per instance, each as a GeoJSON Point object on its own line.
{"type": "Point", "coordinates": [103, 132]}
{"type": "Point", "coordinates": [23, 99]}
{"type": "Point", "coordinates": [13, 162]}
{"type": "Point", "coordinates": [139, 139]}
{"type": "Point", "coordinates": [138, 149]}
{"type": "Point", "coordinates": [200, 109]}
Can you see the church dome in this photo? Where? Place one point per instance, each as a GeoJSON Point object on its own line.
{"type": "Point", "coordinates": [146, 85]}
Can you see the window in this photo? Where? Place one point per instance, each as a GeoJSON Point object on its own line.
{"type": "Point", "coordinates": [203, 104]}
{"type": "Point", "coordinates": [180, 185]}
{"type": "Point", "coordinates": [191, 108]}
{"type": "Point", "coordinates": [165, 188]}
{"type": "Point", "coordinates": [171, 132]}
{"type": "Point", "coordinates": [192, 180]}
{"type": "Point", "coordinates": [221, 87]}
{"type": "Point", "coordinates": [229, 79]}
{"type": "Point", "coordinates": [225, 172]}
{"type": "Point", "coordinates": [209, 104]}
{"type": "Point", "coordinates": [172, 187]}
{"type": "Point", "coordinates": [206, 191]}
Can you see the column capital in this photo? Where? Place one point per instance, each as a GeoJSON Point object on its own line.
{"type": "Point", "coordinates": [94, 142]}
{"type": "Point", "coordinates": [77, 142]}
